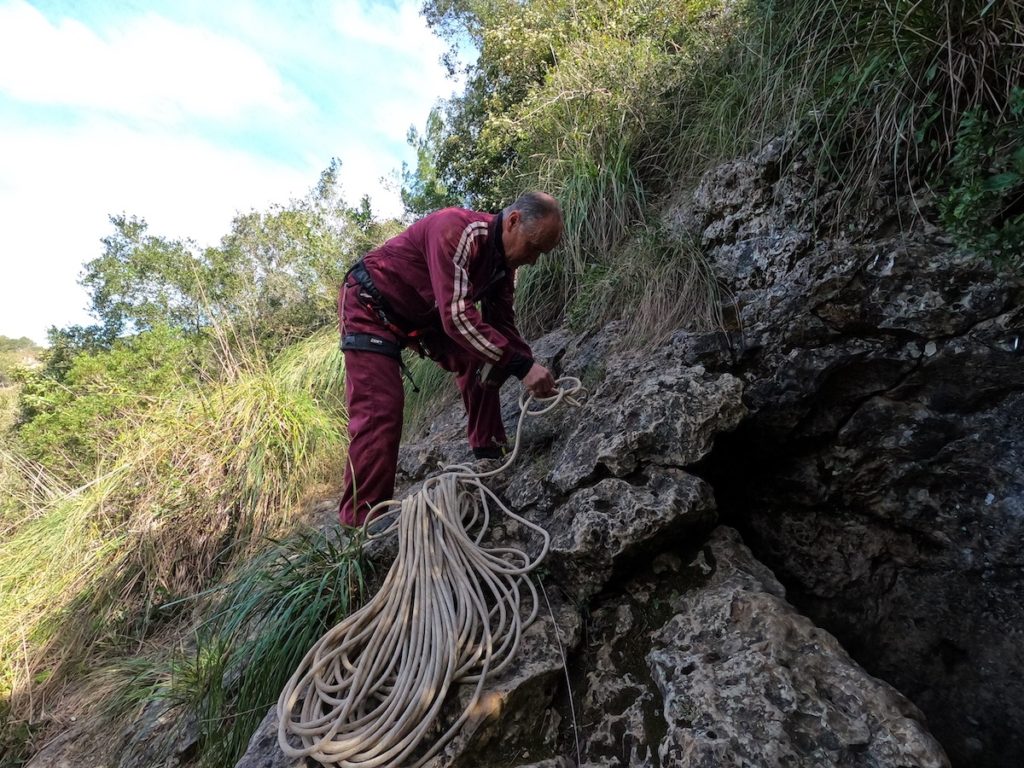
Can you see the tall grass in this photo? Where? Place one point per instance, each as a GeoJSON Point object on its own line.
{"type": "Point", "coordinates": [600, 119]}
{"type": "Point", "coordinates": [668, 286]}
{"type": "Point", "coordinates": [270, 615]}
{"type": "Point", "coordinates": [437, 390]}
{"type": "Point", "coordinates": [258, 625]}
{"type": "Point", "coordinates": [191, 490]}
{"type": "Point", "coordinates": [872, 96]}
{"type": "Point", "coordinates": [872, 90]}
{"type": "Point", "coordinates": [315, 365]}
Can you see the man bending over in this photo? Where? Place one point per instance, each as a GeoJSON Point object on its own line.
{"type": "Point", "coordinates": [421, 290]}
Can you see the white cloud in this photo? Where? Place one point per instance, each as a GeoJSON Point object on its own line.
{"type": "Point", "coordinates": [396, 53]}
{"type": "Point", "coordinates": [385, 26]}
{"type": "Point", "coordinates": [186, 118]}
{"type": "Point", "coordinates": [149, 68]}
{"type": "Point", "coordinates": [60, 189]}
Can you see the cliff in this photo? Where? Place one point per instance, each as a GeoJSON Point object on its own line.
{"type": "Point", "coordinates": [858, 425]}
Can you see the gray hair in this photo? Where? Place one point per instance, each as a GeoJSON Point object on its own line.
{"type": "Point", "coordinates": [534, 207]}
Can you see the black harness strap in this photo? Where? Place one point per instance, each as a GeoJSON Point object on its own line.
{"type": "Point", "coordinates": [380, 305]}
{"type": "Point", "coordinates": [367, 342]}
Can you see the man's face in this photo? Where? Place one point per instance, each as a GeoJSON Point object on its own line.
{"type": "Point", "coordinates": [525, 244]}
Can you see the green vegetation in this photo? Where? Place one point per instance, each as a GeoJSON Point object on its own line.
{"type": "Point", "coordinates": [581, 100]}
{"type": "Point", "coordinates": [16, 356]}
{"type": "Point", "coordinates": [436, 387]}
{"type": "Point", "coordinates": [611, 106]}
{"type": "Point", "coordinates": [71, 422]}
{"type": "Point", "coordinates": [159, 450]}
{"type": "Point", "coordinates": [15, 353]}
{"type": "Point", "coordinates": [984, 206]}
{"type": "Point", "coordinates": [270, 616]}
{"type": "Point", "coordinates": [260, 625]}
{"type": "Point", "coordinates": [188, 492]}
{"type": "Point", "coordinates": [151, 462]}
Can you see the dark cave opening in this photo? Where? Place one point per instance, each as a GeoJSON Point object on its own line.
{"type": "Point", "coordinates": [777, 491]}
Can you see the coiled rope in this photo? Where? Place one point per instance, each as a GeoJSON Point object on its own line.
{"type": "Point", "coordinates": [449, 611]}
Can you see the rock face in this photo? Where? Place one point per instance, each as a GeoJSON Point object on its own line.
{"type": "Point", "coordinates": [879, 471]}
{"type": "Point", "coordinates": [744, 679]}
{"type": "Point", "coordinates": [159, 738]}
{"type": "Point", "coordinates": [697, 660]}
{"type": "Point", "coordinates": [679, 647]}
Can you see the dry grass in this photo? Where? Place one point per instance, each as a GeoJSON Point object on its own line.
{"type": "Point", "coordinates": [875, 90]}
{"type": "Point", "coordinates": [872, 94]}
{"type": "Point", "coordinates": [193, 488]}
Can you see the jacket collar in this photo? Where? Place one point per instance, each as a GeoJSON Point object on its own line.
{"type": "Point", "coordinates": [495, 245]}
{"type": "Point", "coordinates": [496, 269]}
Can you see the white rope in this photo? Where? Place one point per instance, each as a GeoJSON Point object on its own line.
{"type": "Point", "coordinates": [449, 611]}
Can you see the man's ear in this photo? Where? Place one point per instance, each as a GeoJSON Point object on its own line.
{"type": "Point", "coordinates": [512, 219]}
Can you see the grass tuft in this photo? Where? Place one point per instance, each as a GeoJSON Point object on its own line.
{"type": "Point", "coordinates": [269, 615]}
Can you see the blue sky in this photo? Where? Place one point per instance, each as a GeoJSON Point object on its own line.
{"type": "Point", "coordinates": [184, 113]}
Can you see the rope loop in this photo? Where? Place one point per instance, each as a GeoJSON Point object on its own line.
{"type": "Point", "coordinates": [452, 609]}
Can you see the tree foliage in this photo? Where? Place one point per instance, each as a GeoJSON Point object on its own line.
{"type": "Point", "coordinates": [271, 280]}
{"type": "Point", "coordinates": [492, 128]}
{"type": "Point", "coordinates": [170, 314]}
{"type": "Point", "coordinates": [610, 105]}
{"type": "Point", "coordinates": [15, 354]}
{"type": "Point", "coordinates": [71, 423]}
{"type": "Point", "coordinates": [422, 188]}
{"type": "Point", "coordinates": [141, 280]}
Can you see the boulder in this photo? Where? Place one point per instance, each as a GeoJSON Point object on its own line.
{"type": "Point", "coordinates": [746, 680]}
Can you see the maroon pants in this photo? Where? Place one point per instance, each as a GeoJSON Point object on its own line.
{"type": "Point", "coordinates": [375, 399]}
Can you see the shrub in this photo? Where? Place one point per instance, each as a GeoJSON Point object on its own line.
{"type": "Point", "coordinates": [984, 203]}
{"type": "Point", "coordinates": [611, 106]}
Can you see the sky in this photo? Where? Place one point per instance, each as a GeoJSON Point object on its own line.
{"type": "Point", "coordinates": [185, 113]}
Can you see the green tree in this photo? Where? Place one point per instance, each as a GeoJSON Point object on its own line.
{"type": "Point", "coordinates": [69, 424]}
{"type": "Point", "coordinates": [489, 130]}
{"type": "Point", "coordinates": [141, 280]}
{"type": "Point", "coordinates": [272, 279]}
{"type": "Point", "coordinates": [14, 354]}
{"type": "Point", "coordinates": [423, 190]}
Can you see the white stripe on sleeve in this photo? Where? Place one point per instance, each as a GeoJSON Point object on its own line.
{"type": "Point", "coordinates": [458, 304]}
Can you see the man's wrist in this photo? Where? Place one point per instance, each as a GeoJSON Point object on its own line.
{"type": "Point", "coordinates": [519, 366]}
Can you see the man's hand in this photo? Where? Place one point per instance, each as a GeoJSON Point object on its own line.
{"type": "Point", "coordinates": [539, 382]}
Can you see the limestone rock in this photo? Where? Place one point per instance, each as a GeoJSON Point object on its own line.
{"type": "Point", "coordinates": [614, 521]}
{"type": "Point", "coordinates": [649, 412]}
{"type": "Point", "coordinates": [511, 710]}
{"type": "Point", "coordinates": [160, 738]}
{"type": "Point", "coordinates": [878, 470]}
{"type": "Point", "coordinates": [263, 750]}
{"type": "Point", "coordinates": [698, 660]}
{"type": "Point", "coordinates": [744, 679]}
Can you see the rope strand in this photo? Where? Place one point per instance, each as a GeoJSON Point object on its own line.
{"type": "Point", "coordinates": [450, 611]}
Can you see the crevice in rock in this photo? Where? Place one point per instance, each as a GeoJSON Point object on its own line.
{"type": "Point", "coordinates": [877, 568]}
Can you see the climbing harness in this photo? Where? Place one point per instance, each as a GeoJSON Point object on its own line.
{"type": "Point", "coordinates": [367, 342]}
{"type": "Point", "coordinates": [376, 299]}
{"type": "Point", "coordinates": [450, 611]}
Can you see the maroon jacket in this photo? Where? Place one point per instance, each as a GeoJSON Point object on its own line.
{"type": "Point", "coordinates": [435, 272]}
